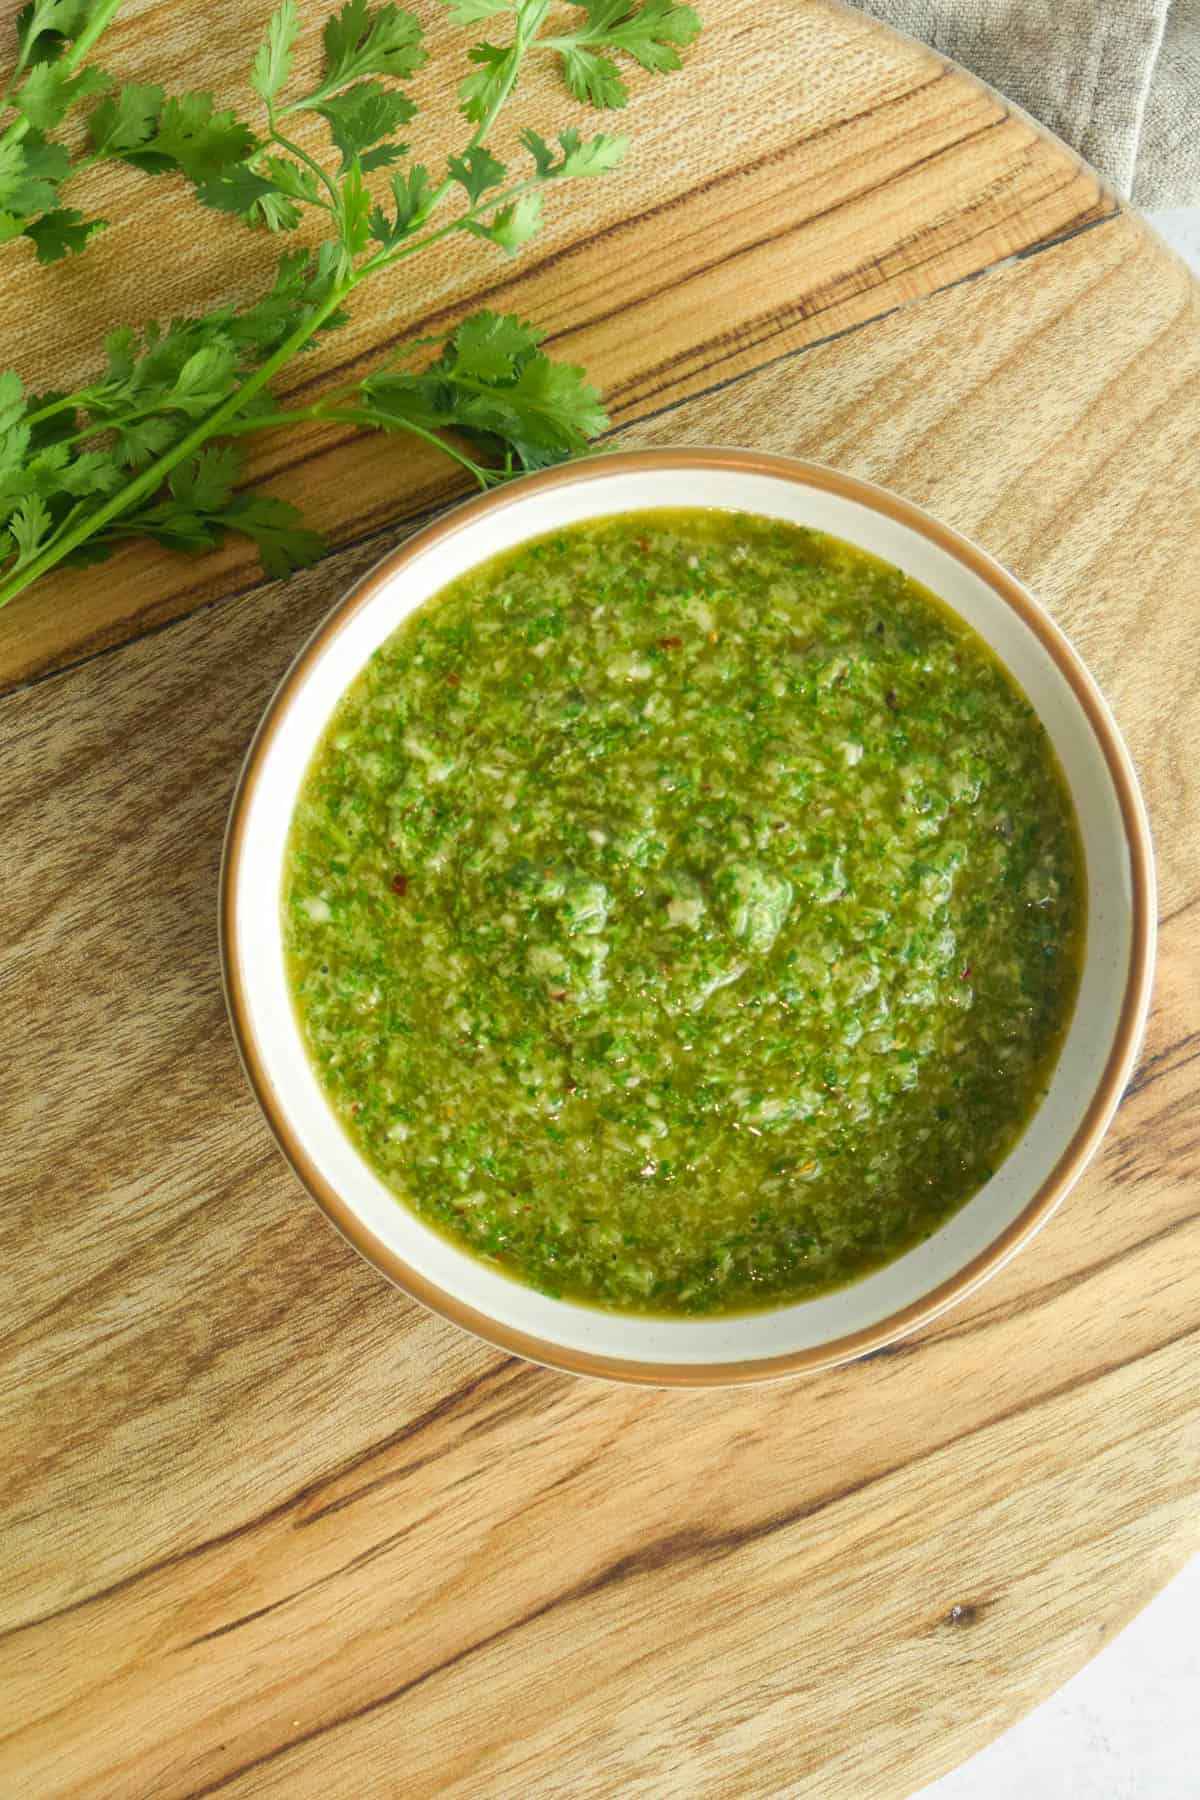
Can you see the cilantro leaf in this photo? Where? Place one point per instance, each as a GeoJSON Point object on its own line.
{"type": "Point", "coordinates": [45, 26]}
{"type": "Point", "coordinates": [203, 380]}
{"type": "Point", "coordinates": [493, 382]}
{"type": "Point", "coordinates": [276, 212]}
{"type": "Point", "coordinates": [551, 411]}
{"type": "Point", "coordinates": [382, 156]}
{"type": "Point", "coordinates": [292, 179]}
{"type": "Point", "coordinates": [512, 225]}
{"type": "Point", "coordinates": [474, 12]}
{"type": "Point", "coordinates": [30, 468]}
{"type": "Point", "coordinates": [30, 176]}
{"type": "Point", "coordinates": [477, 171]}
{"type": "Point", "coordinates": [91, 550]}
{"type": "Point", "coordinates": [191, 136]}
{"type": "Point", "coordinates": [120, 349]}
{"type": "Point", "coordinates": [277, 528]}
{"type": "Point", "coordinates": [651, 34]}
{"type": "Point", "coordinates": [62, 233]}
{"type": "Point", "coordinates": [654, 33]}
{"type": "Point", "coordinates": [49, 93]}
{"type": "Point", "coordinates": [200, 506]}
{"type": "Point", "coordinates": [91, 472]}
{"type": "Point", "coordinates": [139, 441]}
{"type": "Point", "coordinates": [302, 283]}
{"type": "Point", "coordinates": [371, 40]}
{"type": "Point", "coordinates": [593, 78]}
{"type": "Point", "coordinates": [44, 161]}
{"type": "Point", "coordinates": [413, 196]}
{"type": "Point", "coordinates": [239, 190]}
{"type": "Point", "coordinates": [356, 208]}
{"type": "Point", "coordinates": [13, 175]}
{"type": "Point", "coordinates": [478, 93]}
{"type": "Point", "coordinates": [594, 156]}
{"type": "Point", "coordinates": [12, 400]}
{"type": "Point", "coordinates": [541, 152]}
{"type": "Point", "coordinates": [273, 63]}
{"type": "Point", "coordinates": [578, 158]}
{"type": "Point", "coordinates": [30, 173]}
{"type": "Point", "coordinates": [176, 527]}
{"type": "Point", "coordinates": [152, 392]}
{"type": "Point", "coordinates": [29, 527]}
{"type": "Point", "coordinates": [14, 481]}
{"type": "Point", "coordinates": [57, 427]}
{"type": "Point", "coordinates": [206, 482]}
{"type": "Point", "coordinates": [490, 346]}
{"type": "Point", "coordinates": [363, 115]}
{"type": "Point", "coordinates": [125, 120]}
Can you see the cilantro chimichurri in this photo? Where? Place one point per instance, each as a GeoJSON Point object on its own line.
{"type": "Point", "coordinates": [684, 912]}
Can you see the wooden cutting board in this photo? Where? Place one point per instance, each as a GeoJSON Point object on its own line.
{"type": "Point", "coordinates": [267, 1528]}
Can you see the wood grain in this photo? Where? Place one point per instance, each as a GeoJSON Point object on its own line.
{"type": "Point", "coordinates": [266, 1527]}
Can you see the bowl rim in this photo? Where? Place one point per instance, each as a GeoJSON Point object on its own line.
{"type": "Point", "coordinates": [1070, 1164]}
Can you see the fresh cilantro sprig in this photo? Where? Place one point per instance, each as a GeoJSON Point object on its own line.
{"type": "Point", "coordinates": [54, 38]}
{"type": "Point", "coordinates": [651, 34]}
{"type": "Point", "coordinates": [152, 446]}
{"type": "Point", "coordinates": [137, 124]}
{"type": "Point", "coordinates": [493, 385]}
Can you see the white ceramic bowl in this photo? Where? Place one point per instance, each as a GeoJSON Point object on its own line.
{"type": "Point", "coordinates": [1095, 1062]}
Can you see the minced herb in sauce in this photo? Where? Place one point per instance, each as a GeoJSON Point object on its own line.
{"type": "Point", "coordinates": [684, 912]}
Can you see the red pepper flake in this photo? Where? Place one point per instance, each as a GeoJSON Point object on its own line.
{"type": "Point", "coordinates": [400, 885]}
{"type": "Point", "coordinates": [356, 1107]}
{"type": "Point", "coordinates": [967, 972]}
{"type": "Point", "coordinates": [453, 680]}
{"type": "Point", "coordinates": [643, 544]}
{"type": "Point", "coordinates": [671, 643]}
{"type": "Point", "coordinates": [561, 996]}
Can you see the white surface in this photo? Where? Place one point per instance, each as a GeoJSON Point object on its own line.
{"type": "Point", "coordinates": [1181, 228]}
{"type": "Point", "coordinates": [1060, 1129]}
{"type": "Point", "coordinates": [1128, 1726]}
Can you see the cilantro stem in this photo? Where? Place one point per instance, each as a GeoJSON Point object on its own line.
{"type": "Point", "coordinates": [284, 143]}
{"type": "Point", "coordinates": [308, 415]}
{"type": "Point", "coordinates": [485, 477]}
{"type": "Point", "coordinates": [69, 402]}
{"type": "Point", "coordinates": [117, 421]}
{"type": "Point", "coordinates": [317, 415]}
{"type": "Point", "coordinates": [383, 259]}
{"type": "Point", "coordinates": [215, 422]}
{"type": "Point", "coordinates": [525, 33]}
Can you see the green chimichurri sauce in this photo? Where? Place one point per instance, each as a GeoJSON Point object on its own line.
{"type": "Point", "coordinates": [684, 912]}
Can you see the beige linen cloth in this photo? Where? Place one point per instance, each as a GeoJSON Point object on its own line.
{"type": "Point", "coordinates": [1118, 79]}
